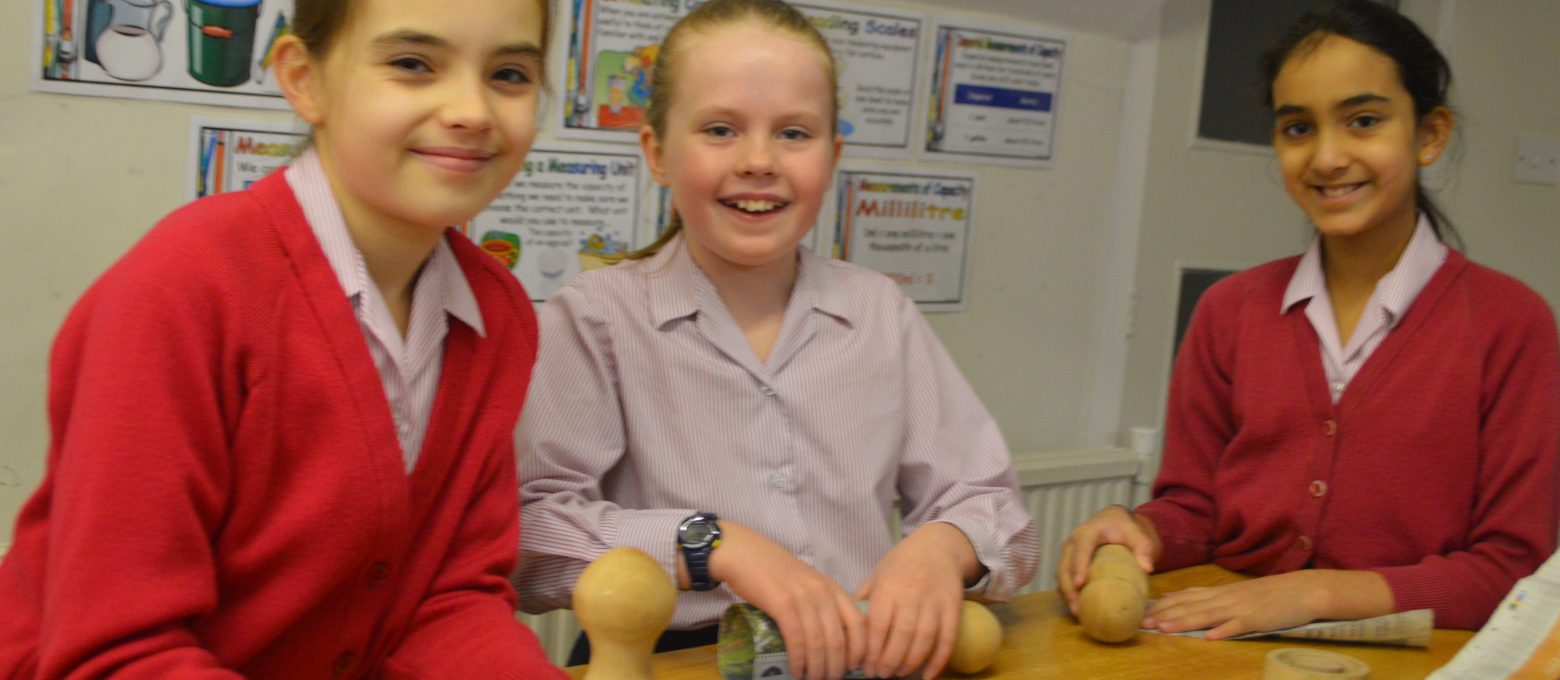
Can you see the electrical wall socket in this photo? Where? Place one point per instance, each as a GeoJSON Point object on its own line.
{"type": "Point", "coordinates": [1538, 161]}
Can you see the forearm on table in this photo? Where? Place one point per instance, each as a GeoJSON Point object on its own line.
{"type": "Point", "coordinates": [735, 540]}
{"type": "Point", "coordinates": [1346, 595]}
{"type": "Point", "coordinates": [944, 538]}
{"type": "Point", "coordinates": [1180, 535]}
{"type": "Point", "coordinates": [984, 520]}
{"type": "Point", "coordinates": [558, 540]}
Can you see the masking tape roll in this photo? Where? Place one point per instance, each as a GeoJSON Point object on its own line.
{"type": "Point", "coordinates": [1296, 663]}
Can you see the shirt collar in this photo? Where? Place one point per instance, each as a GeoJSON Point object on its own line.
{"type": "Point", "coordinates": [441, 276]}
{"type": "Point", "coordinates": [1420, 260]}
{"type": "Point", "coordinates": [679, 289]}
{"type": "Point", "coordinates": [1395, 291]}
{"type": "Point", "coordinates": [820, 277]}
{"type": "Point", "coordinates": [458, 299]}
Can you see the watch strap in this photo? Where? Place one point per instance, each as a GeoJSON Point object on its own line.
{"type": "Point", "coordinates": [697, 558]}
{"type": "Point", "coordinates": [698, 561]}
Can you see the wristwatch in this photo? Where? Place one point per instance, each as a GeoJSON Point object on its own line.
{"type": "Point", "coordinates": [698, 536]}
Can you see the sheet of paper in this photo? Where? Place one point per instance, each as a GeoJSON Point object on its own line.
{"type": "Point", "coordinates": [1522, 638]}
{"type": "Point", "coordinates": [1407, 629]}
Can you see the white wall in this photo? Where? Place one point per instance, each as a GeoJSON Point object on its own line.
{"type": "Point", "coordinates": [81, 178]}
{"type": "Point", "coordinates": [1504, 56]}
{"type": "Point", "coordinates": [1200, 206]}
{"type": "Point", "coordinates": [1228, 208]}
{"type": "Point", "coordinates": [1038, 275]}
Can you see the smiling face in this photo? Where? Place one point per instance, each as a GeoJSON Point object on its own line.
{"type": "Point", "coordinates": [1348, 141]}
{"type": "Point", "coordinates": [748, 148]}
{"type": "Point", "coordinates": [423, 114]}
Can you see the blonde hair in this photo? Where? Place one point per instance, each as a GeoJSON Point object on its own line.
{"type": "Point", "coordinates": [706, 17]}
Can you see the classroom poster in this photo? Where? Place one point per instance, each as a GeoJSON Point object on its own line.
{"type": "Point", "coordinates": [914, 227]}
{"type": "Point", "coordinates": [876, 54]}
{"type": "Point", "coordinates": [663, 214]}
{"type": "Point", "coordinates": [567, 209]}
{"type": "Point", "coordinates": [612, 49]}
{"type": "Point", "coordinates": [613, 44]}
{"type": "Point", "coordinates": [200, 51]}
{"type": "Point", "coordinates": [993, 95]}
{"type": "Point", "coordinates": [230, 156]}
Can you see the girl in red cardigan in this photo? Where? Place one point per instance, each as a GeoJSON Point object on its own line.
{"type": "Point", "coordinates": [1373, 426]}
{"type": "Point", "coordinates": [282, 423]}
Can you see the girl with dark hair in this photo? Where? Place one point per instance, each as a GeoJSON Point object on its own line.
{"type": "Point", "coordinates": [1369, 427]}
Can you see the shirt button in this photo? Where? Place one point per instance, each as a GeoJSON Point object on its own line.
{"type": "Point", "coordinates": [777, 480]}
{"type": "Point", "coordinates": [1337, 387]}
{"type": "Point", "coordinates": [1318, 488]}
{"type": "Point", "coordinates": [767, 390]}
{"type": "Point", "coordinates": [1305, 543]}
{"type": "Point", "coordinates": [378, 574]}
{"type": "Point", "coordinates": [1330, 426]}
{"type": "Point", "coordinates": [344, 662]}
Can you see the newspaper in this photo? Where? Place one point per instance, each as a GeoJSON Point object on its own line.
{"type": "Point", "coordinates": [1408, 629]}
{"type": "Point", "coordinates": [1522, 638]}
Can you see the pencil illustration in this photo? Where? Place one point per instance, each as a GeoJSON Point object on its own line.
{"type": "Point", "coordinates": [264, 64]}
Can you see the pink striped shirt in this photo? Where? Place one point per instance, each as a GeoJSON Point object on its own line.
{"type": "Point", "coordinates": [1392, 297]}
{"type": "Point", "coordinates": [409, 366]}
{"type": "Point", "coordinates": [647, 404]}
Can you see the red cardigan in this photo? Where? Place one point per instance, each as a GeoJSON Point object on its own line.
{"type": "Point", "coordinates": [225, 491]}
{"type": "Point", "coordinates": [1437, 469]}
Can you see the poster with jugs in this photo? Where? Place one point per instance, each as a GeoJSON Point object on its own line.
{"type": "Point", "coordinates": [201, 51]}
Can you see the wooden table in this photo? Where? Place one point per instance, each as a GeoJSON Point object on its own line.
{"type": "Point", "coordinates": [1044, 641]}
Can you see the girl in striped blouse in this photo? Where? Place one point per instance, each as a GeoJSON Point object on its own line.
{"type": "Point", "coordinates": [727, 380]}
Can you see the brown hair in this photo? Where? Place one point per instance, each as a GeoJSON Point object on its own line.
{"type": "Point", "coordinates": [318, 23]}
{"type": "Point", "coordinates": [710, 15]}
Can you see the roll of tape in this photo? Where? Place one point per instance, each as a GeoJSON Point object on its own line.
{"type": "Point", "coordinates": [1296, 663]}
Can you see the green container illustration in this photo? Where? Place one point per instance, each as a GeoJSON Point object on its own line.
{"type": "Point", "coordinates": [222, 40]}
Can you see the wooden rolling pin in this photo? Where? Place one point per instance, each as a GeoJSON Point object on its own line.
{"type": "Point", "coordinates": [980, 636]}
{"type": "Point", "coordinates": [1112, 602]}
{"type": "Point", "coordinates": [623, 601]}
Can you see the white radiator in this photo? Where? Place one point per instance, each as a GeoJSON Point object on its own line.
{"type": "Point", "coordinates": [557, 630]}
{"type": "Point", "coordinates": [1061, 489]}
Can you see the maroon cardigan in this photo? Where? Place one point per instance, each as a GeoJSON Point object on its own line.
{"type": "Point", "coordinates": [225, 491]}
{"type": "Point", "coordinates": [1437, 469]}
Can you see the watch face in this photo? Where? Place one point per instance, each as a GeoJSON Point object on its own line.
{"type": "Point", "coordinates": [696, 533]}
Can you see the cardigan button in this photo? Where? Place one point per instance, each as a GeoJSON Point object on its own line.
{"type": "Point", "coordinates": [1305, 543]}
{"type": "Point", "coordinates": [378, 574]}
{"type": "Point", "coordinates": [1318, 488]}
{"type": "Point", "coordinates": [1330, 426]}
{"type": "Point", "coordinates": [343, 663]}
